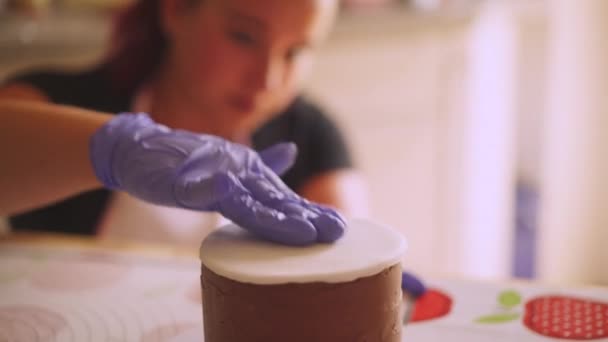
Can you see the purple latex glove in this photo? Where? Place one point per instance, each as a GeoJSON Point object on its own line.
{"type": "Point", "coordinates": [412, 285]}
{"type": "Point", "coordinates": [203, 172]}
{"type": "Point", "coordinates": [414, 288]}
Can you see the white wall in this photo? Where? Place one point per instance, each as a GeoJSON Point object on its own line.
{"type": "Point", "coordinates": [444, 112]}
{"type": "Point", "coordinates": [429, 109]}
{"type": "Point", "coordinates": [574, 217]}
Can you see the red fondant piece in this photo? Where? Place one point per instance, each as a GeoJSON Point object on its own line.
{"type": "Point", "coordinates": [431, 305]}
{"type": "Point", "coordinates": [567, 317]}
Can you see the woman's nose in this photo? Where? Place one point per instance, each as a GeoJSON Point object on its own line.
{"type": "Point", "coordinates": [267, 74]}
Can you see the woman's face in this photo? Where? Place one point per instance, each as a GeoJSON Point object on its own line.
{"type": "Point", "coordinates": [241, 61]}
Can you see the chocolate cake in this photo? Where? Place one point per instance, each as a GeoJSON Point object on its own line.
{"type": "Point", "coordinates": [347, 291]}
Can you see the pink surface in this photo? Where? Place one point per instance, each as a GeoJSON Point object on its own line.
{"type": "Point", "coordinates": [30, 323]}
{"type": "Point", "coordinates": [168, 331]}
{"type": "Point", "coordinates": [71, 295]}
{"type": "Point", "coordinates": [194, 293]}
{"type": "Point", "coordinates": [62, 275]}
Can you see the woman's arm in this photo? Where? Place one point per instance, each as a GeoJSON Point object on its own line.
{"type": "Point", "coordinates": [53, 151]}
{"type": "Point", "coordinates": [344, 189]}
{"type": "Point", "coordinates": [43, 150]}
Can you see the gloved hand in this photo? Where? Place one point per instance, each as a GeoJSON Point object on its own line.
{"type": "Point", "coordinates": [203, 172]}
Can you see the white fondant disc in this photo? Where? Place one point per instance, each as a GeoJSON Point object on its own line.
{"type": "Point", "coordinates": [365, 249]}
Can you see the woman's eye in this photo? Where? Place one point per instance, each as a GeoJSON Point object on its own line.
{"type": "Point", "coordinates": [293, 53]}
{"type": "Point", "coordinates": [241, 37]}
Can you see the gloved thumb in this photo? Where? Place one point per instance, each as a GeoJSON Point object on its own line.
{"type": "Point", "coordinates": [280, 157]}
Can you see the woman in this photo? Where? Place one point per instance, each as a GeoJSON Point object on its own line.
{"type": "Point", "coordinates": [232, 68]}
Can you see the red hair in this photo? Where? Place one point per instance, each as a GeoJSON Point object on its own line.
{"type": "Point", "coordinates": [137, 45]}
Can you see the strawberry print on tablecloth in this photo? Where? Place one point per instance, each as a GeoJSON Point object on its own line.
{"type": "Point", "coordinates": [567, 317]}
{"type": "Point", "coordinates": [431, 305]}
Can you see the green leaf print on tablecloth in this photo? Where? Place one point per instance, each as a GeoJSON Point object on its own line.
{"type": "Point", "coordinates": [498, 318]}
{"type": "Point", "coordinates": [507, 300]}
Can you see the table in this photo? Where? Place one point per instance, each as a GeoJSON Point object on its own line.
{"type": "Point", "coordinates": [83, 290]}
{"type": "Point", "coordinates": [74, 289]}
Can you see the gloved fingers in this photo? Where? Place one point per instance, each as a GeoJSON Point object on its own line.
{"type": "Point", "coordinates": [269, 223]}
{"type": "Point", "coordinates": [290, 194]}
{"type": "Point", "coordinates": [265, 192]}
{"type": "Point", "coordinates": [279, 157]}
{"type": "Point", "coordinates": [324, 210]}
{"type": "Point", "coordinates": [278, 183]}
{"type": "Point", "coordinates": [328, 223]}
{"type": "Point", "coordinates": [329, 228]}
{"type": "Point", "coordinates": [203, 193]}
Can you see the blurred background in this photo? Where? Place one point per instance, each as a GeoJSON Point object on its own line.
{"type": "Point", "coordinates": [479, 124]}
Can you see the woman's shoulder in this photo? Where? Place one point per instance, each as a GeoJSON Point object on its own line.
{"type": "Point", "coordinates": [304, 122]}
{"type": "Point", "coordinates": [298, 121]}
{"type": "Point", "coordinates": [302, 114]}
{"type": "Point", "coordinates": [305, 109]}
{"type": "Point", "coordinates": [87, 88]}
{"type": "Point", "coordinates": [50, 77]}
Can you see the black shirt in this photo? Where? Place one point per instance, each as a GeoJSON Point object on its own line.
{"type": "Point", "coordinates": [321, 147]}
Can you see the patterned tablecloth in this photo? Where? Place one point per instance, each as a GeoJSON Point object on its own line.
{"type": "Point", "coordinates": [82, 294]}
{"type": "Point", "coordinates": [63, 293]}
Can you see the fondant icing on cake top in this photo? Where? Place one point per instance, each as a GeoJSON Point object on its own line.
{"type": "Point", "coordinates": [366, 249]}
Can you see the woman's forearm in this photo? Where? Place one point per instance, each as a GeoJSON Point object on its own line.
{"type": "Point", "coordinates": [44, 153]}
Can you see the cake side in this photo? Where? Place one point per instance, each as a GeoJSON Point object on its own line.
{"type": "Point", "coordinates": [365, 309]}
